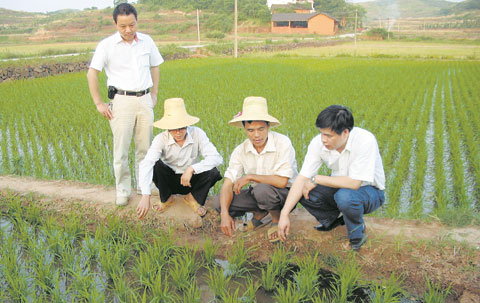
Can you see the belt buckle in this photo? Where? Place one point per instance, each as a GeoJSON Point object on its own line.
{"type": "Point", "coordinates": [139, 94]}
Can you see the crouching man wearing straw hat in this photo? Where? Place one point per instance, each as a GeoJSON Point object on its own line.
{"type": "Point", "coordinates": [266, 162]}
{"type": "Point", "coordinates": [355, 186]}
{"type": "Point", "coordinates": [173, 162]}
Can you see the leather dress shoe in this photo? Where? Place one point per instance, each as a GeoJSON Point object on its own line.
{"type": "Point", "coordinates": [338, 221]}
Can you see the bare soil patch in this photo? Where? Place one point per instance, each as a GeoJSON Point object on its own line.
{"type": "Point", "coordinates": [412, 248]}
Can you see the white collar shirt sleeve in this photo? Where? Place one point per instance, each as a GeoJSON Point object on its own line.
{"type": "Point", "coordinates": [210, 155]}
{"type": "Point", "coordinates": [145, 169]}
{"type": "Point", "coordinates": [313, 158]}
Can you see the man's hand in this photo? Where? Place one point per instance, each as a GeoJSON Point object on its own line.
{"type": "Point", "coordinates": [307, 187]}
{"type": "Point", "coordinates": [104, 110]}
{"type": "Point", "coordinates": [186, 177]}
{"type": "Point", "coordinates": [237, 186]}
{"type": "Point", "coordinates": [227, 224]}
{"type": "Point", "coordinates": [283, 227]}
{"type": "Point", "coordinates": [143, 206]}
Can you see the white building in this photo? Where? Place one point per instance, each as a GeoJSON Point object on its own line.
{"type": "Point", "coordinates": [285, 2]}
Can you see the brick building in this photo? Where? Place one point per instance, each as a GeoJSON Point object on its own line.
{"type": "Point", "coordinates": [312, 23]}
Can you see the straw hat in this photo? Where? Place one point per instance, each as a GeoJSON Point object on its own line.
{"type": "Point", "coordinates": [175, 115]}
{"type": "Point", "coordinates": [254, 109]}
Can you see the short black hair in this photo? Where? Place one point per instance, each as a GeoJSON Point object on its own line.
{"type": "Point", "coordinates": [250, 122]}
{"type": "Point", "coordinates": [336, 117]}
{"type": "Point", "coordinates": [124, 9]}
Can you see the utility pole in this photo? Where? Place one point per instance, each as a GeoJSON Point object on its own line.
{"type": "Point", "coordinates": [235, 47]}
{"type": "Point", "coordinates": [355, 36]}
{"type": "Point", "coordinates": [388, 28]}
{"type": "Point", "coordinates": [198, 28]}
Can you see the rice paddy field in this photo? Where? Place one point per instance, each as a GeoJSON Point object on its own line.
{"type": "Point", "coordinates": [423, 113]}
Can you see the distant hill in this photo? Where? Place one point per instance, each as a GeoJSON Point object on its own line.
{"type": "Point", "coordinates": [463, 7]}
{"type": "Point", "coordinates": [394, 9]}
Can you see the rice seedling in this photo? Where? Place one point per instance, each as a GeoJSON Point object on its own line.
{"type": "Point", "coordinates": [86, 286]}
{"type": "Point", "coordinates": [232, 296]}
{"type": "Point", "coordinates": [183, 269]}
{"type": "Point", "coordinates": [251, 288]}
{"type": "Point", "coordinates": [121, 290]}
{"type": "Point", "coordinates": [209, 251]}
{"type": "Point", "coordinates": [277, 267]}
{"type": "Point", "coordinates": [43, 267]}
{"type": "Point", "coordinates": [112, 259]}
{"type": "Point", "coordinates": [90, 248]}
{"type": "Point", "coordinates": [269, 277]}
{"type": "Point", "coordinates": [389, 290]}
{"type": "Point", "coordinates": [306, 278]}
{"type": "Point", "coordinates": [191, 294]}
{"type": "Point", "coordinates": [161, 291]}
{"type": "Point", "coordinates": [17, 277]}
{"type": "Point", "coordinates": [346, 281]}
{"type": "Point", "coordinates": [287, 294]}
{"type": "Point", "coordinates": [435, 293]}
{"type": "Point", "coordinates": [238, 258]}
{"type": "Point", "coordinates": [146, 269]}
{"type": "Point", "coordinates": [218, 282]}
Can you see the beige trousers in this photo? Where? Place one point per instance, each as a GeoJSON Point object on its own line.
{"type": "Point", "coordinates": [131, 116]}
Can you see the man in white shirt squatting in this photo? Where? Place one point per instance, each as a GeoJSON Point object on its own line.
{"type": "Point", "coordinates": [174, 162]}
{"type": "Point", "coordinates": [131, 61]}
{"type": "Point", "coordinates": [355, 186]}
{"type": "Point", "coordinates": [266, 162]}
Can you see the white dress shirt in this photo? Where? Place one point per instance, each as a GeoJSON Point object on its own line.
{"type": "Point", "coordinates": [179, 158]}
{"type": "Point", "coordinates": [360, 160]}
{"type": "Point", "coordinates": [277, 158]}
{"type": "Point", "coordinates": [127, 65]}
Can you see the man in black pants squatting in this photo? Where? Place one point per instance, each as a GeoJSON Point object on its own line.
{"type": "Point", "coordinates": [174, 162]}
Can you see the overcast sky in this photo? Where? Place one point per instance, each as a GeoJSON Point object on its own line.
{"type": "Point", "coordinates": [44, 6]}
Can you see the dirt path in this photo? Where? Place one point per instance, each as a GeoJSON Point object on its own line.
{"type": "Point", "coordinates": [413, 248]}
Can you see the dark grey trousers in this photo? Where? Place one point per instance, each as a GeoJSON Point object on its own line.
{"type": "Point", "coordinates": [260, 197]}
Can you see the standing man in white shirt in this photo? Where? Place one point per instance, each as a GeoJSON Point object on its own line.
{"type": "Point", "coordinates": [131, 61]}
{"type": "Point", "coordinates": [266, 162]}
{"type": "Point", "coordinates": [355, 186]}
{"type": "Point", "coordinates": [181, 160]}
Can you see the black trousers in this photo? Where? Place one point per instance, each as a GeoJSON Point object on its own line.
{"type": "Point", "coordinates": [168, 182]}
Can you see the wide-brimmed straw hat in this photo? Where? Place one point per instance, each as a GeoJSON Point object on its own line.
{"type": "Point", "coordinates": [175, 115]}
{"type": "Point", "coordinates": [254, 109]}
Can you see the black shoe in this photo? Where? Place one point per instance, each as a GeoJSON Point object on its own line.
{"type": "Point", "coordinates": [356, 243]}
{"type": "Point", "coordinates": [338, 221]}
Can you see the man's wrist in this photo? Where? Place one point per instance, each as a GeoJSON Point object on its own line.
{"type": "Point", "coordinates": [313, 180]}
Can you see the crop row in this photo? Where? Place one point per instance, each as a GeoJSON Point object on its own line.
{"type": "Point", "coordinates": [422, 113]}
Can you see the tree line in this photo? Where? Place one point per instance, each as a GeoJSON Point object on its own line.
{"type": "Point", "coordinates": [257, 10]}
